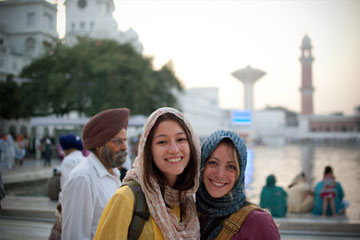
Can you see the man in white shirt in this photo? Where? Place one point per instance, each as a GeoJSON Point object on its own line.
{"type": "Point", "coordinates": [72, 148]}
{"type": "Point", "coordinates": [92, 183]}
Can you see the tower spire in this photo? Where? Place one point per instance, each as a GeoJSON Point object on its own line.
{"type": "Point", "coordinates": [306, 88]}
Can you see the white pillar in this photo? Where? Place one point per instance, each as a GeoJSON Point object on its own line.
{"type": "Point", "coordinates": [249, 96]}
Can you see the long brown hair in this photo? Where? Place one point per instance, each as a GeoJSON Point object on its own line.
{"type": "Point", "coordinates": [186, 180]}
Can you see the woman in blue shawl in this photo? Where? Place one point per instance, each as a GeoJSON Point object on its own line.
{"type": "Point", "coordinates": [221, 191]}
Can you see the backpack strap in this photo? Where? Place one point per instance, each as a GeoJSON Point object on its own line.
{"type": "Point", "coordinates": [141, 212]}
{"type": "Point", "coordinates": [233, 223]}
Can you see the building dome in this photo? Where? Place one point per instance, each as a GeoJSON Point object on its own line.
{"type": "Point", "coordinates": [306, 42]}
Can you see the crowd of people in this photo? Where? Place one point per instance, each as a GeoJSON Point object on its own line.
{"type": "Point", "coordinates": [326, 199]}
{"type": "Point", "coordinates": [15, 148]}
{"type": "Point", "coordinates": [176, 188]}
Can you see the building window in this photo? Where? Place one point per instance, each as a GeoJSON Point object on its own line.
{"type": "Point", "coordinates": [48, 20]}
{"type": "Point", "coordinates": [12, 130]}
{"type": "Point", "coordinates": [82, 26]}
{"type": "Point", "coordinates": [30, 19]}
{"type": "Point", "coordinates": [327, 129]}
{"type": "Point", "coordinates": [14, 65]}
{"type": "Point", "coordinates": [313, 129]}
{"type": "Point", "coordinates": [306, 53]}
{"type": "Point", "coordinates": [46, 45]}
{"type": "Point", "coordinates": [108, 8]}
{"type": "Point", "coordinates": [72, 27]}
{"type": "Point", "coordinates": [30, 46]}
{"type": "Point", "coordinates": [91, 26]}
{"type": "Point", "coordinates": [344, 129]}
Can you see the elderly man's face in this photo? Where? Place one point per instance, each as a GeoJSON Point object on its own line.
{"type": "Point", "coordinates": [114, 153]}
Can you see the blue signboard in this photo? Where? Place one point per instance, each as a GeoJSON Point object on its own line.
{"type": "Point", "coordinates": [241, 117]}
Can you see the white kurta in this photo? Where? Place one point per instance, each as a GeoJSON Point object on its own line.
{"type": "Point", "coordinates": [84, 196]}
{"type": "Point", "coordinates": [68, 164]}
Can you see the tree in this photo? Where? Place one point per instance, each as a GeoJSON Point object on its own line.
{"type": "Point", "coordinates": [9, 100]}
{"type": "Point", "coordinates": [94, 75]}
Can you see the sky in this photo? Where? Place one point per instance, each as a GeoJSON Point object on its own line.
{"type": "Point", "coordinates": [207, 40]}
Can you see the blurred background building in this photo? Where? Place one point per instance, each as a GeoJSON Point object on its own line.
{"type": "Point", "coordinates": [93, 18]}
{"type": "Point", "coordinates": [28, 29]}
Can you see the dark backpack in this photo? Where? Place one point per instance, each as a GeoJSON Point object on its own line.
{"type": "Point", "coordinates": [141, 212]}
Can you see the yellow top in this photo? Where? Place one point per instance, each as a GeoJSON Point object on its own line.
{"type": "Point", "coordinates": [116, 217]}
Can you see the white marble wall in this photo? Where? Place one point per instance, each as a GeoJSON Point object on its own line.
{"type": "Point", "coordinates": [25, 25]}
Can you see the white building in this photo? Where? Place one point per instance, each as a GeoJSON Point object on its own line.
{"type": "Point", "coordinates": [201, 107]}
{"type": "Point", "coordinates": [269, 126]}
{"type": "Point", "coordinates": [27, 29]}
{"type": "Point", "coordinates": [93, 18]}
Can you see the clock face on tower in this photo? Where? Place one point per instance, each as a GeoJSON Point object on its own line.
{"type": "Point", "coordinates": [82, 3]}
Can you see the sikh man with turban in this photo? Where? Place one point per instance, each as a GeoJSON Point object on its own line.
{"type": "Point", "coordinates": [92, 182]}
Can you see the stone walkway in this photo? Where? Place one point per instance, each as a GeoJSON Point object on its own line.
{"type": "Point", "coordinates": [30, 170]}
{"type": "Point", "coordinates": [26, 217]}
{"type": "Point", "coordinates": [24, 229]}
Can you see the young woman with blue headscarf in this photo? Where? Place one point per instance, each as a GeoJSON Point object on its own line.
{"type": "Point", "coordinates": [221, 191]}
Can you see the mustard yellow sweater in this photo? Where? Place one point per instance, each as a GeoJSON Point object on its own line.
{"type": "Point", "coordinates": [116, 217]}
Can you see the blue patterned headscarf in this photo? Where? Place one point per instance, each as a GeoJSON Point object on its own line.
{"type": "Point", "coordinates": [228, 204]}
{"type": "Point", "coordinates": [217, 207]}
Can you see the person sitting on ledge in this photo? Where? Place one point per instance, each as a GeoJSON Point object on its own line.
{"type": "Point", "coordinates": [273, 197]}
{"type": "Point", "coordinates": [301, 197]}
{"type": "Point", "coordinates": [340, 204]}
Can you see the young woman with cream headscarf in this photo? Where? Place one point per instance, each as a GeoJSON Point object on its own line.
{"type": "Point", "coordinates": [167, 169]}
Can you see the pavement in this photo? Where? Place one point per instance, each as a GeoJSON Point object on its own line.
{"type": "Point", "coordinates": [31, 217]}
{"type": "Point", "coordinates": [31, 170]}
{"type": "Point", "coordinates": [27, 217]}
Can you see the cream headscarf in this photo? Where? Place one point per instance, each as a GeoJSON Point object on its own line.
{"type": "Point", "coordinates": [169, 225]}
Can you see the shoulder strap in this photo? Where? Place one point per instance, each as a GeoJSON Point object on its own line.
{"type": "Point", "coordinates": [233, 223]}
{"type": "Point", "coordinates": [140, 213]}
